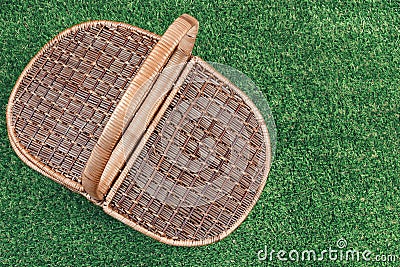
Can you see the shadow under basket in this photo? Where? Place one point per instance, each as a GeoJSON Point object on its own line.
{"type": "Point", "coordinates": [136, 124]}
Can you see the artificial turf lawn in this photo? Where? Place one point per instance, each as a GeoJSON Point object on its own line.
{"type": "Point", "coordinates": [330, 72]}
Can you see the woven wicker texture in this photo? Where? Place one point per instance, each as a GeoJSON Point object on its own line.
{"type": "Point", "coordinates": [203, 167]}
{"type": "Point", "coordinates": [67, 95]}
{"type": "Point", "coordinates": [136, 124]}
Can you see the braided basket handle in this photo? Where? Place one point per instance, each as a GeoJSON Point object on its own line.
{"type": "Point", "coordinates": [175, 45]}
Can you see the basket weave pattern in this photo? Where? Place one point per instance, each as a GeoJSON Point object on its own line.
{"type": "Point", "coordinates": [195, 178]}
{"type": "Point", "coordinates": [69, 93]}
{"type": "Point", "coordinates": [139, 126]}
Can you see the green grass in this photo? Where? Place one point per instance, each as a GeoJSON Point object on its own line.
{"type": "Point", "coordinates": [331, 74]}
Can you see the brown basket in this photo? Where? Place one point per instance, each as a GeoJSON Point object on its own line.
{"type": "Point", "coordinates": [135, 123]}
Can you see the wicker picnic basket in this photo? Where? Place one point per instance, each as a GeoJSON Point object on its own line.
{"type": "Point", "coordinates": [139, 126]}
